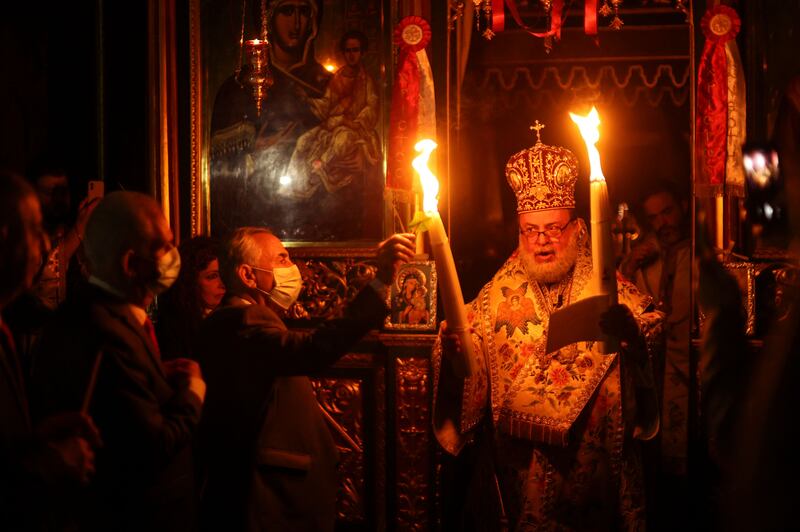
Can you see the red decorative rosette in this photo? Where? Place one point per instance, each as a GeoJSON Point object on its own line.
{"type": "Point", "coordinates": [720, 24]}
{"type": "Point", "coordinates": [412, 34]}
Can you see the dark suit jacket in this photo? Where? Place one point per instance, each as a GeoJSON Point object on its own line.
{"type": "Point", "coordinates": [270, 460]}
{"type": "Point", "coordinates": [144, 475]}
{"type": "Point", "coordinates": [29, 470]}
{"type": "Point", "coordinates": [15, 437]}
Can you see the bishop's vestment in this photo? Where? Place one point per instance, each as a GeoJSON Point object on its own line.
{"type": "Point", "coordinates": [562, 426]}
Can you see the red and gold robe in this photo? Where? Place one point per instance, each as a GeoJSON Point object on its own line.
{"type": "Point", "coordinates": [564, 423]}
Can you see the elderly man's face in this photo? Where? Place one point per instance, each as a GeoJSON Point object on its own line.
{"type": "Point", "coordinates": [273, 255]}
{"type": "Point", "coordinates": [665, 215]}
{"type": "Point", "coordinates": [156, 240]}
{"type": "Point", "coordinates": [538, 233]}
{"type": "Point", "coordinates": [548, 244]}
{"type": "Point", "coordinates": [292, 22]}
{"type": "Point", "coordinates": [162, 237]}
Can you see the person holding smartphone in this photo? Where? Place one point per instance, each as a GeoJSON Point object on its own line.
{"type": "Point", "coordinates": [64, 229]}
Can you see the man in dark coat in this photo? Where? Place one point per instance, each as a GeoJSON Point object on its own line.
{"type": "Point", "coordinates": [34, 464]}
{"type": "Point", "coordinates": [271, 462]}
{"type": "Point", "coordinates": [146, 409]}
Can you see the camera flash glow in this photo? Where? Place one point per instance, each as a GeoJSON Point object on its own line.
{"type": "Point", "coordinates": [285, 180]}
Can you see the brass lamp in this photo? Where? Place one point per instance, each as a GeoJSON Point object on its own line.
{"type": "Point", "coordinates": [258, 76]}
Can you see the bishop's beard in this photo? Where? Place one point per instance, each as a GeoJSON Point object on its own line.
{"type": "Point", "coordinates": [554, 271]}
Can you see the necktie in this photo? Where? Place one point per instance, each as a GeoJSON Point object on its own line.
{"type": "Point", "coordinates": [151, 333]}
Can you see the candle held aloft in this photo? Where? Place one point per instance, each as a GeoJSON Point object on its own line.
{"type": "Point", "coordinates": [604, 276]}
{"type": "Point", "coordinates": [449, 286]}
{"type": "Point", "coordinates": [604, 273]}
{"type": "Point", "coordinates": [452, 298]}
{"type": "Point", "coordinates": [604, 268]}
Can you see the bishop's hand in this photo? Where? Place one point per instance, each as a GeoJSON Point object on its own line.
{"type": "Point", "coordinates": [451, 343]}
{"type": "Point", "coordinates": [618, 322]}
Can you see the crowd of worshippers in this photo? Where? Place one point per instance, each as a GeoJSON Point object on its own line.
{"type": "Point", "coordinates": [145, 386]}
{"type": "Point", "coordinates": [108, 422]}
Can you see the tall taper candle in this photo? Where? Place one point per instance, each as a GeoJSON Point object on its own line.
{"type": "Point", "coordinates": [604, 270]}
{"type": "Point", "coordinates": [452, 299]}
{"type": "Point", "coordinates": [449, 287]}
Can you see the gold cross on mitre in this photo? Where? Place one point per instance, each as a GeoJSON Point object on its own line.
{"type": "Point", "coordinates": [538, 127]}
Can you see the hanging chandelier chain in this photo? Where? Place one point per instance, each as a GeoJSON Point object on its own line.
{"type": "Point", "coordinates": [264, 20]}
{"type": "Point", "coordinates": [241, 41]}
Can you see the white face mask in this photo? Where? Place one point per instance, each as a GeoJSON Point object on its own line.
{"type": "Point", "coordinates": [168, 267]}
{"type": "Point", "coordinates": [288, 284]}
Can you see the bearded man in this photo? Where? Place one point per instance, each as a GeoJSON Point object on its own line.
{"type": "Point", "coordinates": [660, 266]}
{"type": "Point", "coordinates": [557, 428]}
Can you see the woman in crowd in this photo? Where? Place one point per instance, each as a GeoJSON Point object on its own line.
{"type": "Point", "coordinates": [194, 295]}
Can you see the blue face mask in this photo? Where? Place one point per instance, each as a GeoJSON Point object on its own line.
{"type": "Point", "coordinates": [288, 284]}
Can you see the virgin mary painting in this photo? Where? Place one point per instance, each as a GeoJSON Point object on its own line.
{"type": "Point", "coordinates": [290, 167]}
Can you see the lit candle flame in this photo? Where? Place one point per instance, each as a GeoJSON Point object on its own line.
{"type": "Point", "coordinates": [430, 185]}
{"type": "Point", "coordinates": [588, 126]}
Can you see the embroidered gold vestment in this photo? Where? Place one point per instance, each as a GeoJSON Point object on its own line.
{"type": "Point", "coordinates": [564, 422]}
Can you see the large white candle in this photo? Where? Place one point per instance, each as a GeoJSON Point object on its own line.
{"type": "Point", "coordinates": [604, 275]}
{"type": "Point", "coordinates": [604, 270]}
{"type": "Point", "coordinates": [449, 286]}
{"type": "Point", "coordinates": [452, 298]}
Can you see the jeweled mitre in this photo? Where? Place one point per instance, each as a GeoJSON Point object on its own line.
{"type": "Point", "coordinates": [543, 177]}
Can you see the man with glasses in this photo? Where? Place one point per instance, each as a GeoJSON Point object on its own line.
{"type": "Point", "coordinates": [557, 428]}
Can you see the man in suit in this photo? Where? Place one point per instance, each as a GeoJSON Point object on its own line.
{"type": "Point", "coordinates": [33, 463]}
{"type": "Point", "coordinates": [147, 410]}
{"type": "Point", "coordinates": [271, 462]}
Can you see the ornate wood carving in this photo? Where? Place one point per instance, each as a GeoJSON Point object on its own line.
{"type": "Point", "coordinates": [330, 283]}
{"type": "Point", "coordinates": [380, 449]}
{"type": "Point", "coordinates": [413, 443]}
{"type": "Point", "coordinates": [342, 401]}
{"type": "Point", "coordinates": [353, 397]}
